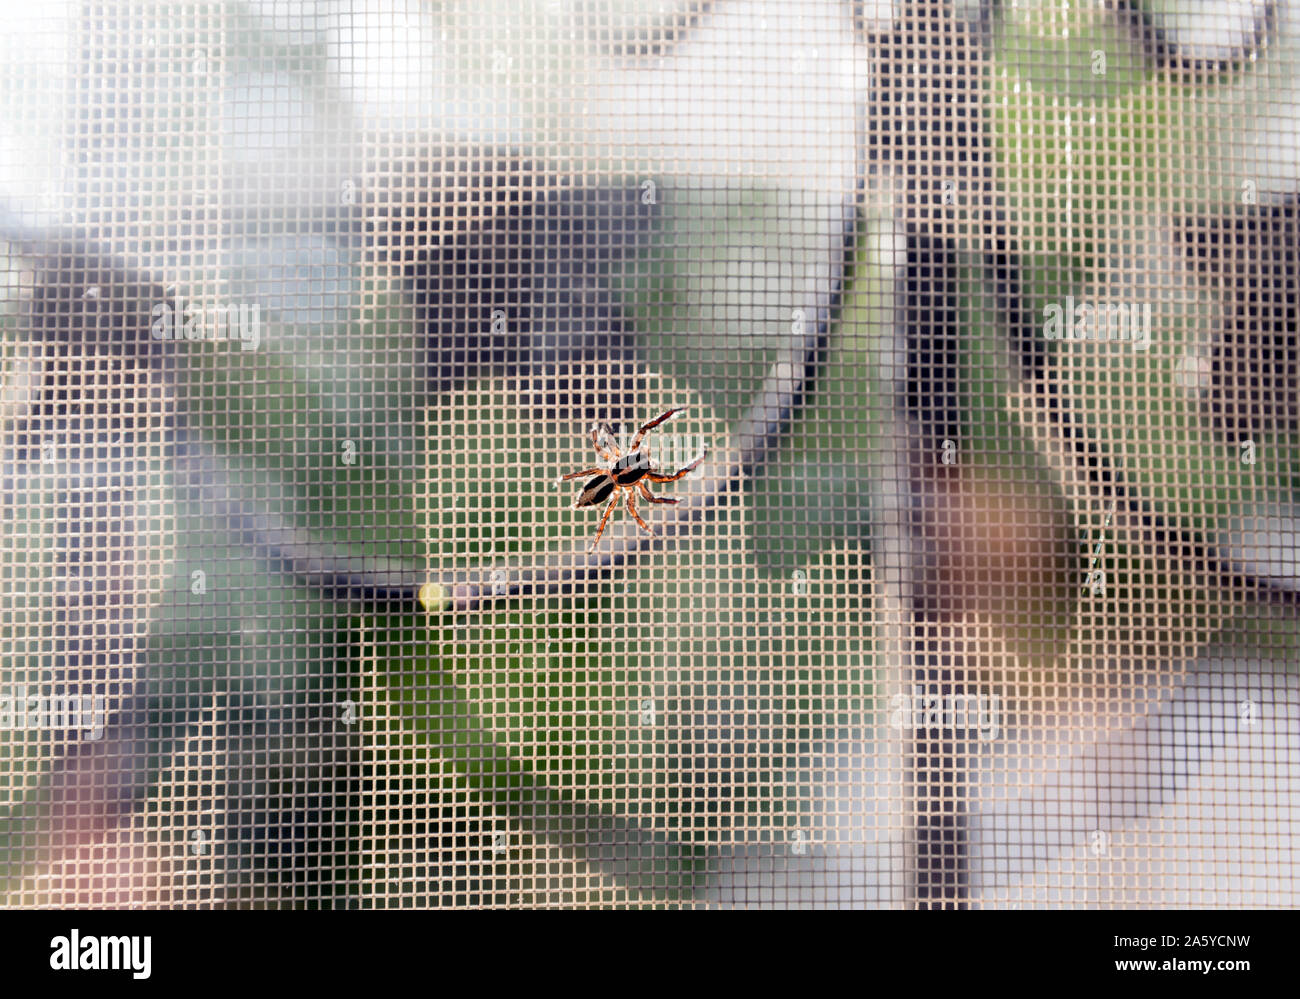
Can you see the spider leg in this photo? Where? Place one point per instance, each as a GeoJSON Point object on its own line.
{"type": "Point", "coordinates": [613, 441]}
{"type": "Point", "coordinates": [656, 477]}
{"type": "Point", "coordinates": [586, 471]}
{"type": "Point", "coordinates": [601, 529]}
{"type": "Point", "coordinates": [645, 491]}
{"type": "Point", "coordinates": [654, 423]}
{"type": "Point", "coordinates": [631, 508]}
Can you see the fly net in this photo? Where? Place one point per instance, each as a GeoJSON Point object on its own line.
{"type": "Point", "coordinates": [346, 560]}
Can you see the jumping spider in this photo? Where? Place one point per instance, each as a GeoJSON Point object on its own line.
{"type": "Point", "coordinates": [628, 473]}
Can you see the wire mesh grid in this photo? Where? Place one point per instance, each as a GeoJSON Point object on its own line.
{"type": "Point", "coordinates": [960, 572]}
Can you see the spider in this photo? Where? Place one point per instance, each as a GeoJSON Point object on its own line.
{"type": "Point", "coordinates": [628, 472]}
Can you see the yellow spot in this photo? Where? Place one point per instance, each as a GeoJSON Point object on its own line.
{"type": "Point", "coordinates": [434, 597]}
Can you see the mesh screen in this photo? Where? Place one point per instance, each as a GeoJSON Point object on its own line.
{"type": "Point", "coordinates": [346, 561]}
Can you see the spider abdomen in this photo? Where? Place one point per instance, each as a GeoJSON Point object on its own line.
{"type": "Point", "coordinates": [630, 468]}
{"type": "Point", "coordinates": [596, 490]}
